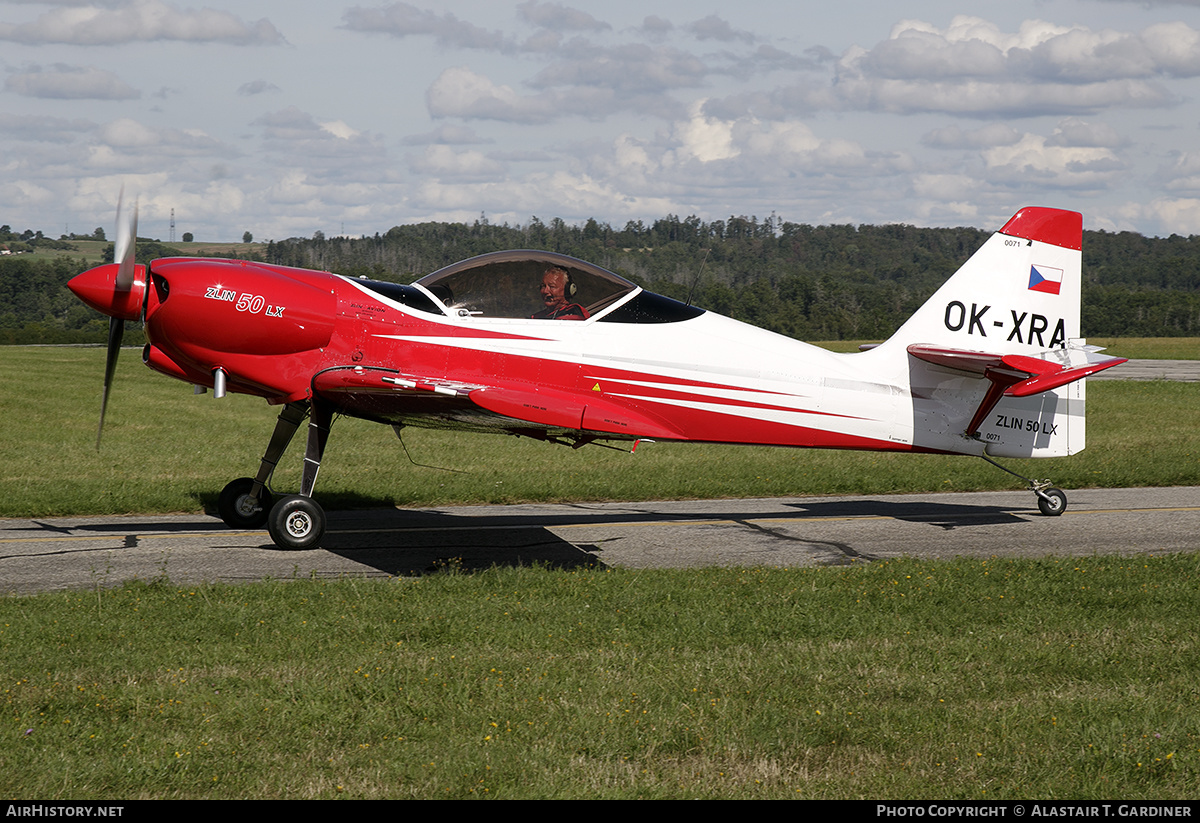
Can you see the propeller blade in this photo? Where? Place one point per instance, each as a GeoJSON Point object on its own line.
{"type": "Point", "coordinates": [126, 240]}
{"type": "Point", "coordinates": [119, 289]}
{"type": "Point", "coordinates": [116, 330]}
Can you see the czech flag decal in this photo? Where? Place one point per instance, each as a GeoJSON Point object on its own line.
{"type": "Point", "coordinates": [1045, 279]}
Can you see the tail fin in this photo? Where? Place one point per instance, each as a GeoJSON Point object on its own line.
{"type": "Point", "coordinates": [994, 357]}
{"type": "Point", "coordinates": [1019, 293]}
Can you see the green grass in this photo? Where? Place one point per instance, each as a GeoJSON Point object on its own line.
{"type": "Point", "coordinates": [995, 679]}
{"type": "Point", "coordinates": [967, 679]}
{"type": "Point", "coordinates": [167, 450]}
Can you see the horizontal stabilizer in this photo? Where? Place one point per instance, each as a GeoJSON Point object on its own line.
{"type": "Point", "coordinates": [1040, 373]}
{"type": "Point", "coordinates": [1016, 375]}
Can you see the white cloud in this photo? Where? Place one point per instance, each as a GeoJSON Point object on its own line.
{"type": "Point", "coordinates": [1041, 160]}
{"type": "Point", "coordinates": [705, 138]}
{"type": "Point", "coordinates": [714, 27]}
{"type": "Point", "coordinates": [572, 195]}
{"type": "Point", "coordinates": [257, 87]}
{"type": "Point", "coordinates": [956, 137]}
{"type": "Point", "coordinates": [139, 21]}
{"type": "Point", "coordinates": [291, 123]}
{"type": "Point", "coordinates": [406, 20]}
{"type": "Point", "coordinates": [1180, 176]}
{"type": "Point", "coordinates": [627, 68]}
{"type": "Point", "coordinates": [1075, 132]}
{"type": "Point", "coordinates": [974, 67]}
{"type": "Point", "coordinates": [63, 82]}
{"type": "Point", "coordinates": [43, 128]}
{"type": "Point", "coordinates": [1167, 215]}
{"type": "Point", "coordinates": [443, 161]}
{"type": "Point", "coordinates": [446, 134]}
{"type": "Point", "coordinates": [460, 92]}
{"type": "Point", "coordinates": [558, 17]}
{"type": "Point", "coordinates": [340, 130]}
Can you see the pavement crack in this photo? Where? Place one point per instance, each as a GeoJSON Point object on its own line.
{"type": "Point", "coordinates": [847, 553]}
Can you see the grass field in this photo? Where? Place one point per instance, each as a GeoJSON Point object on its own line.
{"type": "Point", "coordinates": [971, 679]}
{"type": "Point", "coordinates": [992, 679]}
{"type": "Point", "coordinates": [167, 450]}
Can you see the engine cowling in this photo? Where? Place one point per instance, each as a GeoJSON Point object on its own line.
{"type": "Point", "coordinates": [242, 317]}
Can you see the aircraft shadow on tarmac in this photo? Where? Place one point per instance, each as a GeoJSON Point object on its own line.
{"type": "Point", "coordinates": [400, 542]}
{"type": "Point", "coordinates": [945, 515]}
{"type": "Point", "coordinates": [408, 542]}
{"type": "Point", "coordinates": [397, 551]}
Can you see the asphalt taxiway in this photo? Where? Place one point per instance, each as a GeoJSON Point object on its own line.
{"type": "Point", "coordinates": [60, 553]}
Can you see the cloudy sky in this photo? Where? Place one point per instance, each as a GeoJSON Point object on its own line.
{"type": "Point", "coordinates": [284, 118]}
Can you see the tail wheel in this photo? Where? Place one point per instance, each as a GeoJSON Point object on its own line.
{"type": "Point", "coordinates": [1052, 502]}
{"type": "Point", "coordinates": [236, 508]}
{"type": "Point", "coordinates": [296, 522]}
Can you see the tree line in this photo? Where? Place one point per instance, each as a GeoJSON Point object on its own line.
{"type": "Point", "coordinates": [809, 282]}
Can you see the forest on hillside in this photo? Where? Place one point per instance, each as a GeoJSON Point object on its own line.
{"type": "Point", "coordinates": [809, 282]}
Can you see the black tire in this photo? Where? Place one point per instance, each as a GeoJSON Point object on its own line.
{"type": "Point", "coordinates": [296, 522]}
{"type": "Point", "coordinates": [1053, 503]}
{"type": "Point", "coordinates": [234, 509]}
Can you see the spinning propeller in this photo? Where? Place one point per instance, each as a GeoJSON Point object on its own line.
{"type": "Point", "coordinates": [118, 289]}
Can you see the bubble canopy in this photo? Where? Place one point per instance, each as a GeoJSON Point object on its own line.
{"type": "Point", "coordinates": [508, 283]}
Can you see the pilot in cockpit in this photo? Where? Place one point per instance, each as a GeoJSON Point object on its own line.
{"type": "Point", "coordinates": [557, 291]}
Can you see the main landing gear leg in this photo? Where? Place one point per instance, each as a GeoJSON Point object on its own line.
{"type": "Point", "coordinates": [245, 502]}
{"type": "Point", "coordinates": [1051, 501]}
{"type": "Point", "coordinates": [297, 521]}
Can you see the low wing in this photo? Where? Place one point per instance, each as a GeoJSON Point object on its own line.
{"type": "Point", "coordinates": [392, 396]}
{"type": "Point", "coordinates": [1017, 375]}
{"type": "Point", "coordinates": [575, 411]}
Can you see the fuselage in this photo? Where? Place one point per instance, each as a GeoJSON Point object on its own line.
{"type": "Point", "coordinates": [641, 366]}
{"type": "Point", "coordinates": [990, 364]}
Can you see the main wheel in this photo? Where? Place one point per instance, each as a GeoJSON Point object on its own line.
{"type": "Point", "coordinates": [237, 510]}
{"type": "Point", "coordinates": [1053, 503]}
{"type": "Point", "coordinates": [296, 522]}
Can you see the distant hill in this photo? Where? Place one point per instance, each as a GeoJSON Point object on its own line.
{"type": "Point", "coordinates": [811, 282]}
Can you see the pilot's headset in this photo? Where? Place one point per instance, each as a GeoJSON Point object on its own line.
{"type": "Point", "coordinates": [568, 289]}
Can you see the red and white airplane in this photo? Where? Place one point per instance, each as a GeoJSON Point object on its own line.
{"type": "Point", "coordinates": [543, 345]}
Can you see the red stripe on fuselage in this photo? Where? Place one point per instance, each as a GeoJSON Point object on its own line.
{"type": "Point", "coordinates": [694, 392]}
